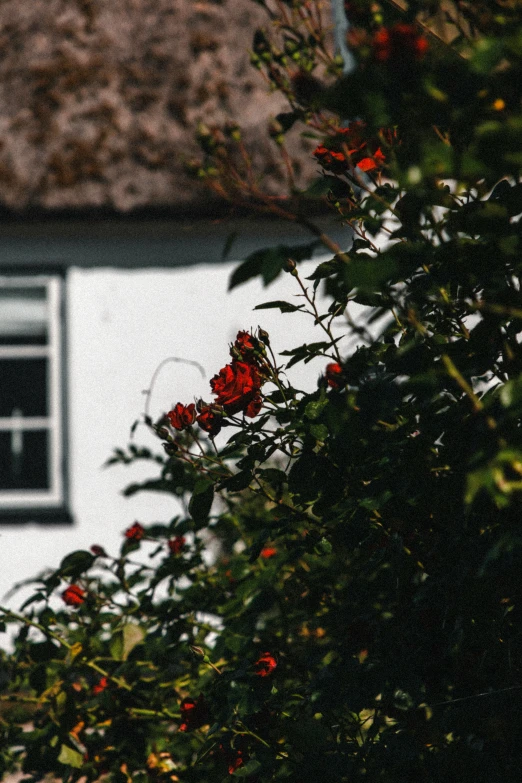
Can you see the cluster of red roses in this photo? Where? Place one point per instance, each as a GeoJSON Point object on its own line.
{"type": "Point", "coordinates": [74, 595]}
{"type": "Point", "coordinates": [399, 43]}
{"type": "Point", "coordinates": [353, 146]}
{"type": "Point", "coordinates": [195, 714]}
{"type": "Point", "coordinates": [236, 386]}
{"type": "Point", "coordinates": [136, 532]}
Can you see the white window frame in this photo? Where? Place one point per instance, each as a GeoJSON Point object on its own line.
{"type": "Point", "coordinates": [33, 499]}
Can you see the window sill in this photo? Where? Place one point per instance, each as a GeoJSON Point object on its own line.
{"type": "Point", "coordinates": [38, 516]}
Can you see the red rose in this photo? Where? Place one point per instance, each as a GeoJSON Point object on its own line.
{"type": "Point", "coordinates": [357, 148]}
{"type": "Point", "coordinates": [236, 385]}
{"type": "Point", "coordinates": [194, 714]}
{"type": "Point", "coordinates": [235, 763]}
{"type": "Point", "coordinates": [399, 43]}
{"type": "Point", "coordinates": [254, 406]}
{"type": "Point", "coordinates": [333, 161]}
{"type": "Point", "coordinates": [360, 146]}
{"type": "Point", "coordinates": [176, 544]}
{"type": "Point", "coordinates": [135, 532]}
{"type": "Point", "coordinates": [73, 595]}
{"type": "Point", "coordinates": [98, 550]}
{"type": "Point", "coordinates": [233, 757]}
{"type": "Point", "coordinates": [375, 162]}
{"type": "Point", "coordinates": [182, 416]}
{"type": "Point", "coordinates": [100, 687]}
{"type": "Point", "coordinates": [209, 420]}
{"type": "Point", "coordinates": [268, 552]}
{"type": "Point", "coordinates": [265, 665]}
{"type": "Point", "coordinates": [333, 374]}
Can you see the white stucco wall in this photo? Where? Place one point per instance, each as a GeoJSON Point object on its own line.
{"type": "Point", "coordinates": [120, 325]}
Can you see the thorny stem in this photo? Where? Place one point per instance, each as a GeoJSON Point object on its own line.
{"type": "Point", "coordinates": [21, 619]}
{"type": "Point", "coordinates": [315, 313]}
{"type": "Point", "coordinates": [397, 321]}
{"type": "Point", "coordinates": [144, 713]}
{"type": "Point", "coordinates": [457, 376]}
{"type": "Point", "coordinates": [275, 378]}
{"type": "Point", "coordinates": [455, 373]}
{"type": "Point", "coordinates": [91, 664]}
{"type": "Point", "coordinates": [249, 733]}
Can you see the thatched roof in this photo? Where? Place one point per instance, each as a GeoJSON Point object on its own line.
{"type": "Point", "coordinates": [99, 99]}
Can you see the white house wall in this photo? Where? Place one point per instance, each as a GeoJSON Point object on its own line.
{"type": "Point", "coordinates": [120, 325]}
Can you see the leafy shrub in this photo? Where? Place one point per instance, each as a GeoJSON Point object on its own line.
{"type": "Point", "coordinates": [340, 598]}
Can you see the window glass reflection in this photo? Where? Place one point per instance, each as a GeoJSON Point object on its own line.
{"type": "Point", "coordinates": [23, 316]}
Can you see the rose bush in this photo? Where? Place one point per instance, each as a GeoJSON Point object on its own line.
{"type": "Point", "coordinates": [337, 595]}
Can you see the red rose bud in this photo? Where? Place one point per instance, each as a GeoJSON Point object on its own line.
{"type": "Point", "coordinates": [99, 551]}
{"type": "Point", "coordinates": [265, 665]}
{"type": "Point", "coordinates": [176, 545]}
{"type": "Point", "coordinates": [100, 687]}
{"type": "Point", "coordinates": [194, 714]}
{"type": "Point", "coordinates": [334, 373]}
{"type": "Point", "coordinates": [182, 416]}
{"type": "Point", "coordinates": [267, 552]}
{"type": "Point", "coordinates": [399, 43]}
{"type": "Point", "coordinates": [209, 420]}
{"type": "Point", "coordinates": [73, 595]}
{"type": "Point", "coordinates": [135, 532]}
{"type": "Point", "coordinates": [245, 344]}
{"type": "Point", "coordinates": [264, 336]}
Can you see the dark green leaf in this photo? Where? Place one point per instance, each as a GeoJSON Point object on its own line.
{"type": "Point", "coordinates": [237, 482]}
{"type": "Point", "coordinates": [250, 768]}
{"type": "Point", "coordinates": [231, 238]}
{"type": "Point", "coordinates": [268, 263]}
{"type": "Point", "coordinates": [285, 307]}
{"type": "Point", "coordinates": [201, 501]}
{"type": "Point", "coordinates": [76, 564]}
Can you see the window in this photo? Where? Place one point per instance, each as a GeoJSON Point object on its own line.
{"type": "Point", "coordinates": [31, 404]}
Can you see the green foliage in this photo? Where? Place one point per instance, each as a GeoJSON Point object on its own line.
{"type": "Point", "coordinates": [339, 597]}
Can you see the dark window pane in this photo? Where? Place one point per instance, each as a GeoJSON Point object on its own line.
{"type": "Point", "coordinates": [24, 460]}
{"type": "Point", "coordinates": [23, 316]}
{"type": "Point", "coordinates": [23, 387]}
